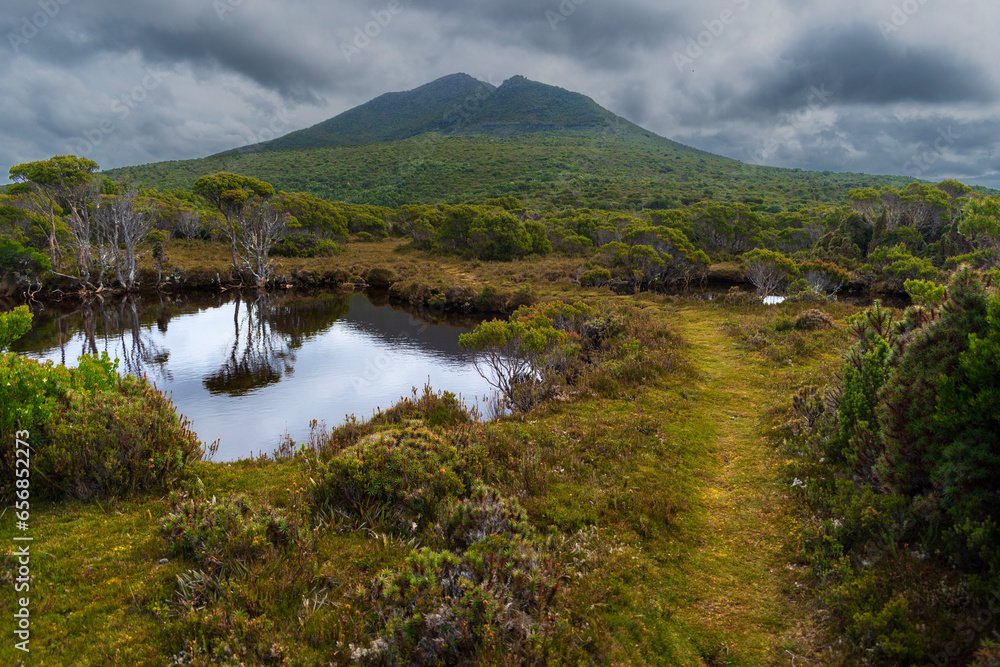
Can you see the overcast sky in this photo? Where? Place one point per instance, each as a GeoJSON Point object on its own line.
{"type": "Point", "coordinates": [878, 86]}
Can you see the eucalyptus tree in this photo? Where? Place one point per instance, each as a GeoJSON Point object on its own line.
{"type": "Point", "coordinates": [60, 183]}
{"type": "Point", "coordinates": [234, 195]}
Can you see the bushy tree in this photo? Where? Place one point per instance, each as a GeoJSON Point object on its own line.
{"type": "Point", "coordinates": [540, 244]}
{"type": "Point", "coordinates": [230, 194]}
{"type": "Point", "coordinates": [824, 277]}
{"type": "Point", "coordinates": [726, 229]}
{"type": "Point", "coordinates": [58, 181]}
{"type": "Point", "coordinates": [981, 226]}
{"type": "Point", "coordinates": [514, 355]}
{"type": "Point", "coordinates": [769, 271]}
{"type": "Point", "coordinates": [498, 235]}
{"type": "Point", "coordinates": [314, 215]}
{"type": "Point", "coordinates": [892, 267]}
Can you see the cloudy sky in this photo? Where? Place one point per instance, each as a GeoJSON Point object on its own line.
{"type": "Point", "coordinates": [879, 86]}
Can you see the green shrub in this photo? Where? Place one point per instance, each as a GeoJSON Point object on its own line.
{"type": "Point", "coordinates": [93, 433]}
{"type": "Point", "coordinates": [13, 325]}
{"type": "Point", "coordinates": [521, 298]}
{"type": "Point", "coordinates": [490, 299]}
{"type": "Point", "coordinates": [540, 244]}
{"type": "Point", "coordinates": [499, 236]}
{"type": "Point", "coordinates": [942, 427]}
{"type": "Point", "coordinates": [16, 259]}
{"type": "Point", "coordinates": [888, 633]}
{"type": "Point", "coordinates": [381, 277]}
{"type": "Point", "coordinates": [595, 278]}
{"type": "Point", "coordinates": [222, 533]}
{"type": "Point", "coordinates": [402, 473]}
{"type": "Point", "coordinates": [892, 267]}
{"type": "Point", "coordinates": [305, 245]}
{"type": "Point", "coordinates": [925, 293]}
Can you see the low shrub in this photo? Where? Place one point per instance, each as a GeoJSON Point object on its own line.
{"type": "Point", "coordinates": [812, 320]}
{"type": "Point", "coordinates": [484, 513]}
{"type": "Point", "coordinates": [595, 278]}
{"type": "Point", "coordinates": [446, 609]}
{"type": "Point", "coordinates": [221, 534]}
{"type": "Point", "coordinates": [305, 245]}
{"type": "Point", "coordinates": [92, 433]}
{"type": "Point", "coordinates": [381, 277]}
{"type": "Point", "coordinates": [401, 473]}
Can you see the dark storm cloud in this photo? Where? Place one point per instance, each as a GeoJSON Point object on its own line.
{"type": "Point", "coordinates": [233, 72]}
{"type": "Point", "coordinates": [858, 66]}
{"type": "Point", "coordinates": [207, 35]}
{"type": "Point", "coordinates": [600, 33]}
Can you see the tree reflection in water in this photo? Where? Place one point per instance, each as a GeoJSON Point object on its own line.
{"type": "Point", "coordinates": [258, 357]}
{"type": "Point", "coordinates": [268, 328]}
{"type": "Point", "coordinates": [101, 324]}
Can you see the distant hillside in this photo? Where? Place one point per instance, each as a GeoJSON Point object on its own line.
{"type": "Point", "coordinates": [597, 169]}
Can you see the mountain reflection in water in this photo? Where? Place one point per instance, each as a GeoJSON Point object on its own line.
{"type": "Point", "coordinates": [246, 368]}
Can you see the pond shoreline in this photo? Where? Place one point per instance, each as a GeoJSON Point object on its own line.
{"type": "Point", "coordinates": [436, 298]}
{"type": "Point", "coordinates": [248, 367]}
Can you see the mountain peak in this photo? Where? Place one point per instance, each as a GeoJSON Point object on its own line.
{"type": "Point", "coordinates": [454, 104]}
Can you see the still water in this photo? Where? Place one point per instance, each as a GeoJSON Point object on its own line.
{"type": "Point", "coordinates": [246, 369]}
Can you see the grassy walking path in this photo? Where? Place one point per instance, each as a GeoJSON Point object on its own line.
{"type": "Point", "coordinates": [736, 592]}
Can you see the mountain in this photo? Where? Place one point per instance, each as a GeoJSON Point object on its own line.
{"type": "Point", "coordinates": [458, 139]}
{"type": "Point", "coordinates": [451, 105]}
{"type": "Point", "coordinates": [521, 105]}
{"type": "Point", "coordinates": [389, 117]}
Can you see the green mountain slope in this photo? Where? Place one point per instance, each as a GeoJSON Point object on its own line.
{"type": "Point", "coordinates": [389, 117]}
{"type": "Point", "coordinates": [522, 105]}
{"type": "Point", "coordinates": [455, 104]}
{"type": "Point", "coordinates": [597, 169]}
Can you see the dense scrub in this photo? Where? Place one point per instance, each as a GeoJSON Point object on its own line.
{"type": "Point", "coordinates": [904, 546]}
{"type": "Point", "coordinates": [810, 243]}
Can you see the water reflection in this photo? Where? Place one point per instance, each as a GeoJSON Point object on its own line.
{"type": "Point", "coordinates": [246, 367]}
{"type": "Point", "coordinates": [266, 332]}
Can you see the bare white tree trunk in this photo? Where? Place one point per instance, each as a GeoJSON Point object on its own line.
{"type": "Point", "coordinates": [122, 225]}
{"type": "Point", "coordinates": [263, 225]}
